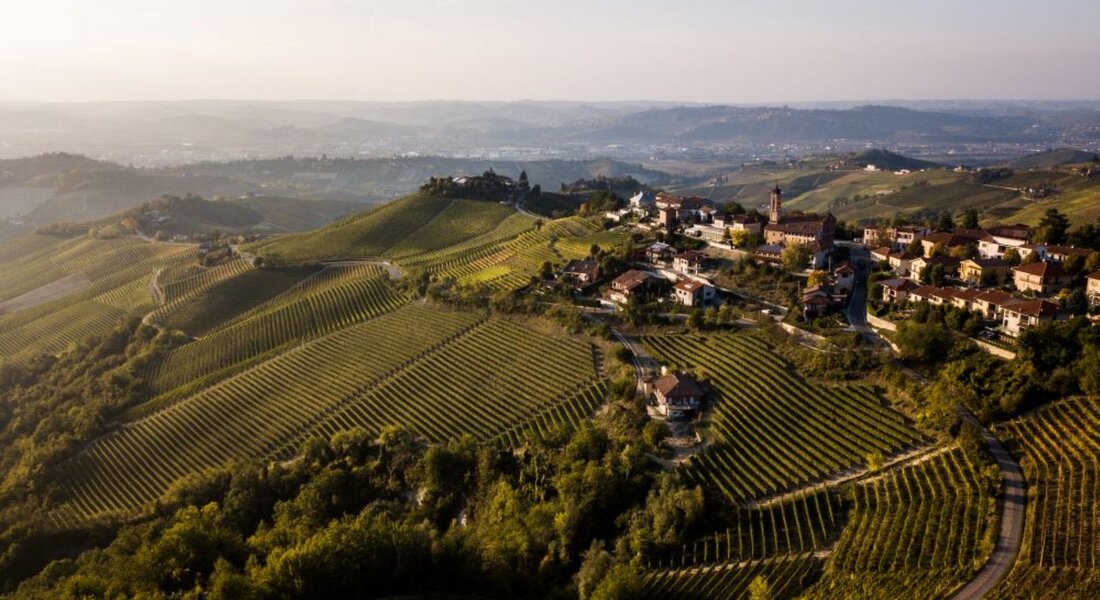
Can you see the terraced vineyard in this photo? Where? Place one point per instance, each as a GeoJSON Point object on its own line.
{"type": "Point", "coordinates": [1059, 452]}
{"type": "Point", "coordinates": [106, 280]}
{"type": "Point", "coordinates": [505, 259]}
{"type": "Point", "coordinates": [441, 373]}
{"type": "Point", "coordinates": [346, 297]}
{"type": "Point", "coordinates": [498, 375]}
{"type": "Point", "coordinates": [221, 301]}
{"type": "Point", "coordinates": [774, 430]}
{"type": "Point", "coordinates": [918, 532]}
{"type": "Point", "coordinates": [786, 575]}
{"type": "Point", "coordinates": [807, 523]}
{"type": "Point", "coordinates": [455, 224]}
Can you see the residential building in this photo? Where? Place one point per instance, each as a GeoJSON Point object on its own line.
{"type": "Point", "coordinates": [980, 271]}
{"type": "Point", "coordinates": [918, 265]}
{"type": "Point", "coordinates": [949, 240]}
{"type": "Point", "coordinates": [896, 291]}
{"type": "Point", "coordinates": [1000, 238]}
{"type": "Point", "coordinates": [845, 276]}
{"type": "Point", "coordinates": [678, 395]}
{"type": "Point", "coordinates": [991, 303]}
{"type": "Point", "coordinates": [690, 292]}
{"type": "Point", "coordinates": [1062, 253]}
{"type": "Point", "coordinates": [667, 217]}
{"type": "Point", "coordinates": [643, 202]}
{"type": "Point", "coordinates": [689, 262]}
{"type": "Point", "coordinates": [659, 253]}
{"type": "Point", "coordinates": [1041, 277]}
{"type": "Point", "coordinates": [1092, 287]}
{"type": "Point", "coordinates": [633, 284]}
{"type": "Point", "coordinates": [742, 223]}
{"type": "Point", "coordinates": [581, 273]}
{"type": "Point", "coordinates": [709, 233]}
{"type": "Point", "coordinates": [900, 261]}
{"type": "Point", "coordinates": [895, 238]}
{"type": "Point", "coordinates": [770, 253]}
{"type": "Point", "coordinates": [1023, 315]}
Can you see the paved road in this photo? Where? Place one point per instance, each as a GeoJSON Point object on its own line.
{"type": "Point", "coordinates": [1012, 520]}
{"type": "Point", "coordinates": [857, 304]}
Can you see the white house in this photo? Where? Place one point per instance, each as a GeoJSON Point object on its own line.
{"type": "Point", "coordinates": [694, 293]}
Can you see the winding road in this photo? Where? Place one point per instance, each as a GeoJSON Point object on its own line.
{"type": "Point", "coordinates": [1014, 496]}
{"type": "Point", "coordinates": [1013, 505]}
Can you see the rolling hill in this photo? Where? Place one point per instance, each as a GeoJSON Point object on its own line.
{"type": "Point", "coordinates": [1056, 157]}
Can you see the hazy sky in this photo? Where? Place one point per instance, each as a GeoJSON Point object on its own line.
{"type": "Point", "coordinates": [688, 50]}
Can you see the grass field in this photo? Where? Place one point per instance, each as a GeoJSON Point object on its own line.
{"type": "Point", "coordinates": [1059, 451]}
{"type": "Point", "coordinates": [810, 430]}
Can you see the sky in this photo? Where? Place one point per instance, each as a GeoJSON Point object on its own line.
{"type": "Point", "coordinates": [681, 50]}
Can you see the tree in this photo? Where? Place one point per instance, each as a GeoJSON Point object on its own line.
{"type": "Point", "coordinates": [796, 257]}
{"type": "Point", "coordinates": [1074, 264]}
{"type": "Point", "coordinates": [970, 218]}
{"type": "Point", "coordinates": [738, 238]}
{"type": "Point", "coordinates": [947, 222]}
{"type": "Point", "coordinates": [817, 278]}
{"type": "Point", "coordinates": [1076, 300]}
{"type": "Point", "coordinates": [594, 250]}
{"type": "Point", "coordinates": [523, 183]}
{"type": "Point", "coordinates": [1012, 257]}
{"type": "Point", "coordinates": [760, 589]}
{"type": "Point", "coordinates": [915, 247]}
{"type": "Point", "coordinates": [1052, 227]}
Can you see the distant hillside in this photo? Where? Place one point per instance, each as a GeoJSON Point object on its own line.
{"type": "Point", "coordinates": [774, 124]}
{"type": "Point", "coordinates": [889, 161]}
{"type": "Point", "coordinates": [1052, 158]}
{"type": "Point", "coordinates": [414, 224]}
{"type": "Point", "coordinates": [384, 179]}
{"type": "Point", "coordinates": [192, 215]}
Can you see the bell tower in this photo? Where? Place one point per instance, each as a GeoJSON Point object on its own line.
{"type": "Point", "coordinates": [776, 205]}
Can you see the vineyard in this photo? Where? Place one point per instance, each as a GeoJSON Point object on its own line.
{"type": "Point", "coordinates": [412, 225]}
{"type": "Point", "coordinates": [440, 373]}
{"type": "Point", "coordinates": [809, 430]}
{"type": "Point", "coordinates": [917, 532]}
{"type": "Point", "coordinates": [221, 301]}
{"type": "Point", "coordinates": [110, 280]}
{"type": "Point", "coordinates": [810, 522]}
{"type": "Point", "coordinates": [345, 297]}
{"type": "Point", "coordinates": [1059, 452]}
{"type": "Point", "coordinates": [786, 575]}
{"type": "Point", "coordinates": [507, 258]}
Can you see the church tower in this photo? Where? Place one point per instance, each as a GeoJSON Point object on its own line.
{"type": "Point", "coordinates": [776, 206]}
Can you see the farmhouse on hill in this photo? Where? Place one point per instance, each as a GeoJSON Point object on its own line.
{"type": "Point", "coordinates": [677, 395]}
{"type": "Point", "coordinates": [632, 284]}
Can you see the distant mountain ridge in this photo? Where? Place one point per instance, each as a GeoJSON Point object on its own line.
{"type": "Point", "coordinates": [175, 133]}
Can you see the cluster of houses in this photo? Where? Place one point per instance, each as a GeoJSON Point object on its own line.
{"type": "Point", "coordinates": [1041, 275]}
{"type": "Point", "coordinates": [1011, 312]}
{"type": "Point", "coordinates": [685, 270]}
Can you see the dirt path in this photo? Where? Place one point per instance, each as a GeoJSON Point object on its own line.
{"type": "Point", "coordinates": [913, 456]}
{"type": "Point", "coordinates": [70, 284]}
